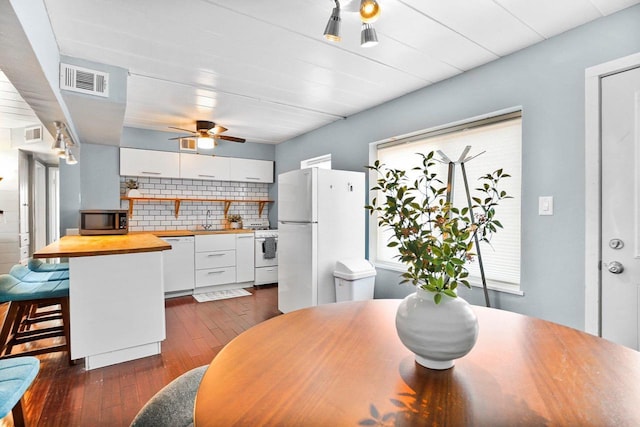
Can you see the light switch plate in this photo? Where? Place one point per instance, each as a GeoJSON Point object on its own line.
{"type": "Point", "coordinates": [545, 205]}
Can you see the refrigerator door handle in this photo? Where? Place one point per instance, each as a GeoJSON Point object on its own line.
{"type": "Point", "coordinates": [298, 222]}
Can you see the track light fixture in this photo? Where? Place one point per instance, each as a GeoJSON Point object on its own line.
{"type": "Point", "coordinates": [368, 36]}
{"type": "Point", "coordinates": [369, 13]}
{"type": "Point", "coordinates": [332, 30]}
{"type": "Point", "coordinates": [62, 143]}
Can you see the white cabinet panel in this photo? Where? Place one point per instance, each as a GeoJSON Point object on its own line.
{"type": "Point", "coordinates": [215, 276]}
{"type": "Point", "coordinates": [215, 242]}
{"type": "Point", "coordinates": [250, 170]}
{"type": "Point", "coordinates": [215, 259]}
{"type": "Point", "coordinates": [199, 166]}
{"type": "Point", "coordinates": [245, 259]}
{"type": "Point", "coordinates": [160, 164]}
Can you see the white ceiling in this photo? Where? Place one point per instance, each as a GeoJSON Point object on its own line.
{"type": "Point", "coordinates": [14, 111]}
{"type": "Point", "coordinates": [263, 70]}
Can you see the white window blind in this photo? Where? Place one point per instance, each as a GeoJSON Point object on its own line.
{"type": "Point", "coordinates": [501, 140]}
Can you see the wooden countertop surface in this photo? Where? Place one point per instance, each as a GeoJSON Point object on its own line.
{"type": "Point", "coordinates": [175, 233]}
{"type": "Point", "coordinates": [80, 246]}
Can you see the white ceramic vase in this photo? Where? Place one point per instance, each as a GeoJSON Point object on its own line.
{"type": "Point", "coordinates": [437, 333]}
{"type": "Point", "coordinates": [134, 192]}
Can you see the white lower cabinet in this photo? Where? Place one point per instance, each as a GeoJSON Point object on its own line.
{"type": "Point", "coordinates": [224, 259]}
{"type": "Point", "coordinates": [245, 260]}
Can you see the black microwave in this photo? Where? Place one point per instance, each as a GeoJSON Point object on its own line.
{"type": "Point", "coordinates": [98, 222]}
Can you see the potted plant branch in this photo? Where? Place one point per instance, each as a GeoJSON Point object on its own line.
{"type": "Point", "coordinates": [435, 240]}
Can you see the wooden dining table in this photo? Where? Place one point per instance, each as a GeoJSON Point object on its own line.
{"type": "Point", "coordinates": [344, 365]}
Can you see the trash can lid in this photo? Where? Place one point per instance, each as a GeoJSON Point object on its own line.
{"type": "Point", "coordinates": [354, 268]}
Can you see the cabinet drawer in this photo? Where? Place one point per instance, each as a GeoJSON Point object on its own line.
{"type": "Point", "coordinates": [24, 253]}
{"type": "Point", "coordinates": [215, 276]}
{"type": "Point", "coordinates": [266, 275]}
{"type": "Point", "coordinates": [215, 242]}
{"type": "Point", "coordinates": [24, 239]}
{"type": "Point", "coordinates": [215, 259]}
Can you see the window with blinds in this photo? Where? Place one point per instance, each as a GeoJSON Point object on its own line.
{"type": "Point", "coordinates": [497, 143]}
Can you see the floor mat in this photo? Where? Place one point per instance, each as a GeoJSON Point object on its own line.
{"type": "Point", "coordinates": [213, 296]}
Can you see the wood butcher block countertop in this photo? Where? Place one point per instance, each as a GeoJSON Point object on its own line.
{"type": "Point", "coordinates": [177, 233]}
{"type": "Point", "coordinates": [80, 246]}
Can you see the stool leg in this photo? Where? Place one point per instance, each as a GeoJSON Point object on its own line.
{"type": "Point", "coordinates": [18, 415]}
{"type": "Point", "coordinates": [66, 323]}
{"type": "Point", "coordinates": [9, 320]}
{"type": "Point", "coordinates": [21, 312]}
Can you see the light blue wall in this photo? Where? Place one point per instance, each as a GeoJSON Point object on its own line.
{"type": "Point", "coordinates": [547, 81]}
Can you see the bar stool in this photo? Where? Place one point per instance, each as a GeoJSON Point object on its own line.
{"type": "Point", "coordinates": [23, 297]}
{"type": "Point", "coordinates": [16, 375]}
{"type": "Point", "coordinates": [37, 265]}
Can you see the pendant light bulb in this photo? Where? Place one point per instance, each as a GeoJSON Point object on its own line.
{"type": "Point", "coordinates": [71, 159]}
{"type": "Point", "coordinates": [332, 30]}
{"type": "Point", "coordinates": [369, 10]}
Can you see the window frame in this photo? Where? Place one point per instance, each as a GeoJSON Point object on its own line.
{"type": "Point", "coordinates": [483, 120]}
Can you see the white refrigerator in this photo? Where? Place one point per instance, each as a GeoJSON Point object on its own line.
{"type": "Point", "coordinates": [321, 220]}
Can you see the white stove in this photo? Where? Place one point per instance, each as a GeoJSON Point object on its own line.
{"type": "Point", "coordinates": [266, 261]}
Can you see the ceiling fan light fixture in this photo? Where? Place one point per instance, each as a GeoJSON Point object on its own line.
{"type": "Point", "coordinates": [369, 10]}
{"type": "Point", "coordinates": [368, 36]}
{"type": "Point", "coordinates": [332, 30]}
{"type": "Point", "coordinates": [205, 142]}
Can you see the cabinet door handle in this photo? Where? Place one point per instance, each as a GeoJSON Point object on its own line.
{"type": "Point", "coordinates": [207, 176]}
{"type": "Point", "coordinates": [252, 177]}
{"type": "Point", "coordinates": [151, 173]}
{"type": "Point", "coordinates": [210, 255]}
{"type": "Point", "coordinates": [245, 237]}
{"type": "Point", "coordinates": [215, 272]}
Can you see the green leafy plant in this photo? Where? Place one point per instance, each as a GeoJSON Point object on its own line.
{"type": "Point", "coordinates": [234, 218]}
{"type": "Point", "coordinates": [434, 238]}
{"type": "Point", "coordinates": [131, 184]}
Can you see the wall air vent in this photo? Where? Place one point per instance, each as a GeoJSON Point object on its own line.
{"type": "Point", "coordinates": [83, 80]}
{"type": "Point", "coordinates": [33, 134]}
{"type": "Point", "coordinates": [188, 144]}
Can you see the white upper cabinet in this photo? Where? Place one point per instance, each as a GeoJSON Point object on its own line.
{"type": "Point", "coordinates": [199, 166]}
{"type": "Point", "coordinates": [159, 164]}
{"type": "Point", "coordinates": [250, 170]}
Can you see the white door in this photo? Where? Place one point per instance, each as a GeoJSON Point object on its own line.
{"type": "Point", "coordinates": [621, 207]}
{"type": "Point", "coordinates": [40, 206]}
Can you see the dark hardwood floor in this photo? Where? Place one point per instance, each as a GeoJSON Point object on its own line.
{"type": "Point", "coordinates": [64, 395]}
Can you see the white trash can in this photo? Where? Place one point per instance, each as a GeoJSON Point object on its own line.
{"type": "Point", "coordinates": [354, 279]}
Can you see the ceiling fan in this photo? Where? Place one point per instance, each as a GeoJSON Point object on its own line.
{"type": "Point", "coordinates": [207, 133]}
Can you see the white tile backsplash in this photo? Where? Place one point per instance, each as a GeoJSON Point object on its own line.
{"type": "Point", "coordinates": [160, 215]}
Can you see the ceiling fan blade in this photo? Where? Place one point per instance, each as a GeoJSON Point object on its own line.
{"type": "Point", "coordinates": [217, 130]}
{"type": "Point", "coordinates": [182, 137]}
{"type": "Point", "coordinates": [230, 138]}
{"type": "Point", "coordinates": [186, 130]}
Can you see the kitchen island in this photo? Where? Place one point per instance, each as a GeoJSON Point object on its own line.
{"type": "Point", "coordinates": [116, 296]}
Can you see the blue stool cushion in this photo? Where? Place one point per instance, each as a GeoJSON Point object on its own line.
{"type": "Point", "coordinates": [37, 265]}
{"type": "Point", "coordinates": [16, 375]}
{"type": "Point", "coordinates": [12, 289]}
{"type": "Point", "coordinates": [23, 274]}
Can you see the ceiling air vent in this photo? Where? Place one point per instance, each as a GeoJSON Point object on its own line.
{"type": "Point", "coordinates": [83, 80]}
{"type": "Point", "coordinates": [33, 134]}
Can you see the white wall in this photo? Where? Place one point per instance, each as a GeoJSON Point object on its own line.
{"type": "Point", "coordinates": [9, 221]}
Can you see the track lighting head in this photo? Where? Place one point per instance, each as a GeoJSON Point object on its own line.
{"type": "Point", "coordinates": [369, 11]}
{"type": "Point", "coordinates": [332, 30]}
{"type": "Point", "coordinates": [368, 36]}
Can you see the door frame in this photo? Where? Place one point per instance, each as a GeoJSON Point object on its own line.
{"type": "Point", "coordinates": [593, 186]}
